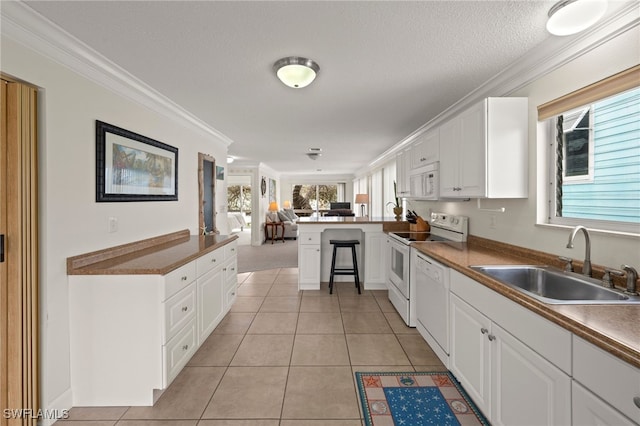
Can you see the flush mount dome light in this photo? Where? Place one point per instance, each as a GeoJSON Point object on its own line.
{"type": "Point", "coordinates": [295, 71]}
{"type": "Point", "coordinates": [572, 16]}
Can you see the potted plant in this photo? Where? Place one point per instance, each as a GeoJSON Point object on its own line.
{"type": "Point", "coordinates": [397, 208]}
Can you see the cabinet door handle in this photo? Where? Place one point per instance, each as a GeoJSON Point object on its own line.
{"type": "Point", "coordinates": [224, 269]}
{"type": "Point", "coordinates": [213, 260]}
{"type": "Point", "coordinates": [185, 347]}
{"type": "Point", "coordinates": [636, 400]}
{"type": "Point", "coordinates": [491, 337]}
{"type": "Point", "coordinates": [233, 294]}
{"type": "Point", "coordinates": [184, 278]}
{"type": "Point", "coordinates": [185, 308]}
{"type": "Point", "coordinates": [484, 330]}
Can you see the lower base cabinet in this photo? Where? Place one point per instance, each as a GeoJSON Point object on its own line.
{"type": "Point", "coordinates": [509, 382]}
{"type": "Point", "coordinates": [210, 302]}
{"type": "Point", "coordinates": [589, 410]}
{"type": "Point", "coordinates": [131, 335]}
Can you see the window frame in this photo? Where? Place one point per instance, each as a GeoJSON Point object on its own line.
{"type": "Point", "coordinates": [588, 177]}
{"type": "Point", "coordinates": [552, 218]}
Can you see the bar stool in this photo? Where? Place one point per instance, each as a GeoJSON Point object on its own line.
{"type": "Point", "coordinates": [344, 271]}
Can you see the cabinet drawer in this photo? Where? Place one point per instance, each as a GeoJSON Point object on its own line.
{"type": "Point", "coordinates": [612, 379]}
{"type": "Point", "coordinates": [230, 250]}
{"type": "Point", "coordinates": [209, 261]}
{"type": "Point", "coordinates": [306, 238]}
{"type": "Point", "coordinates": [179, 310]}
{"type": "Point", "coordinates": [230, 296]}
{"type": "Point", "coordinates": [176, 280]}
{"type": "Point", "coordinates": [178, 351]}
{"type": "Point", "coordinates": [230, 270]}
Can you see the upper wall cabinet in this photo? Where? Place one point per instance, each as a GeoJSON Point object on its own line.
{"type": "Point", "coordinates": [426, 149]}
{"type": "Point", "coordinates": [403, 167]}
{"type": "Point", "coordinates": [483, 151]}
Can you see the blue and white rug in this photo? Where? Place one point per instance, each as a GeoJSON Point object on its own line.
{"type": "Point", "coordinates": [414, 399]}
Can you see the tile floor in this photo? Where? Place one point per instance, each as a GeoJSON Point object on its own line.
{"type": "Point", "coordinates": [281, 357]}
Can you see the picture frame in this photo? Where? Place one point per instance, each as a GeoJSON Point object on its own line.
{"type": "Point", "coordinates": [272, 190]}
{"type": "Point", "coordinates": [132, 167]}
{"type": "Point", "coordinates": [219, 173]}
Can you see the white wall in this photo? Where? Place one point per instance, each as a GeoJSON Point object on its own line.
{"type": "Point", "coordinates": [518, 225]}
{"type": "Point", "coordinates": [71, 221]}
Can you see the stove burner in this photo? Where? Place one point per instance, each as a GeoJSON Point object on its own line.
{"type": "Point", "coordinates": [419, 236]}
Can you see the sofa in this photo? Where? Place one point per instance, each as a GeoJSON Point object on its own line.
{"type": "Point", "coordinates": [288, 218]}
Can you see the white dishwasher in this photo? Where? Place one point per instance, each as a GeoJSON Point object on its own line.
{"type": "Point", "coordinates": [432, 303]}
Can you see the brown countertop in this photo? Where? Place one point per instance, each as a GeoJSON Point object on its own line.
{"type": "Point", "coordinates": [614, 328]}
{"type": "Point", "coordinates": [153, 256]}
{"type": "Point", "coordinates": [389, 224]}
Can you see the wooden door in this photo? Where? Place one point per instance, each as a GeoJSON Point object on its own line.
{"type": "Point", "coordinates": [19, 266]}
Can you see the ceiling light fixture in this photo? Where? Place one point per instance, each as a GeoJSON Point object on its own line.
{"type": "Point", "coordinates": [295, 71]}
{"type": "Point", "coordinates": [572, 16]}
{"type": "Point", "coordinates": [230, 160]}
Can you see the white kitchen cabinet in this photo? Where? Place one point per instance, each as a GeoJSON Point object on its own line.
{"type": "Point", "coordinates": [210, 302]}
{"type": "Point", "coordinates": [615, 383]}
{"type": "Point", "coordinates": [375, 266]}
{"type": "Point", "coordinates": [590, 410]}
{"type": "Point", "coordinates": [483, 151]}
{"type": "Point", "coordinates": [426, 149]}
{"type": "Point", "coordinates": [131, 335]}
{"type": "Point", "coordinates": [403, 166]}
{"type": "Point", "coordinates": [499, 369]}
{"type": "Point", "coordinates": [309, 261]}
{"type": "Point", "coordinates": [470, 357]}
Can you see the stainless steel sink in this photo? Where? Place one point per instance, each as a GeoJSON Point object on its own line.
{"type": "Point", "coordinates": [550, 285]}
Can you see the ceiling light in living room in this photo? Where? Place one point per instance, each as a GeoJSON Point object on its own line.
{"type": "Point", "coordinates": [572, 16]}
{"type": "Point", "coordinates": [295, 71]}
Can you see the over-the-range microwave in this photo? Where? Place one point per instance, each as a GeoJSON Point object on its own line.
{"type": "Point", "coordinates": [424, 182]}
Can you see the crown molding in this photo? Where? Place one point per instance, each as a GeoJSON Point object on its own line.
{"type": "Point", "coordinates": [550, 55]}
{"type": "Point", "coordinates": [27, 27]}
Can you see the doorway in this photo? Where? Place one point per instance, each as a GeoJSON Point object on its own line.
{"type": "Point", "coordinates": [207, 194]}
{"type": "Point", "coordinates": [239, 200]}
{"type": "Point", "coordinates": [19, 253]}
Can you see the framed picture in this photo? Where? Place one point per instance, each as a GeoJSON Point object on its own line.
{"type": "Point", "coordinates": [132, 167]}
{"type": "Point", "coordinates": [219, 173]}
{"type": "Point", "coordinates": [272, 190]}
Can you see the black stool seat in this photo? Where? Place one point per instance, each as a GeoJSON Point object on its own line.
{"type": "Point", "coordinates": [344, 271]}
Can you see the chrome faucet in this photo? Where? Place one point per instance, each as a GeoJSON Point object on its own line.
{"type": "Point", "coordinates": [586, 267]}
{"type": "Point", "coordinates": [632, 277]}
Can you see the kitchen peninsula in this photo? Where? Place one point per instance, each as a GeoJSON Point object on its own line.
{"type": "Point", "coordinates": [315, 251]}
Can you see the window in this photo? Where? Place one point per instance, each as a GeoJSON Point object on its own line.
{"type": "Point", "coordinates": [239, 198]}
{"type": "Point", "coordinates": [598, 179]}
{"type": "Point", "coordinates": [316, 198]}
{"type": "Point", "coordinates": [578, 145]}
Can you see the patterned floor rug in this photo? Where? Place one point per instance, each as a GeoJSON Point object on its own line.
{"type": "Point", "coordinates": [414, 399]}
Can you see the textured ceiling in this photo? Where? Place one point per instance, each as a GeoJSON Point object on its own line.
{"type": "Point", "coordinates": [386, 68]}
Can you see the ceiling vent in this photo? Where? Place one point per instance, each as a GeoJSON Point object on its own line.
{"type": "Point", "coordinates": [313, 155]}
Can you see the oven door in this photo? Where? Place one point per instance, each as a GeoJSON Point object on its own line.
{"type": "Point", "coordinates": [399, 266]}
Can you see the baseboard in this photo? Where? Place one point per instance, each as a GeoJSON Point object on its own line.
{"type": "Point", "coordinates": [61, 406]}
{"type": "Point", "coordinates": [375, 286]}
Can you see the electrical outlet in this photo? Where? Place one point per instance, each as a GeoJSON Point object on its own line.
{"type": "Point", "coordinates": [492, 221]}
{"type": "Point", "coordinates": [113, 224]}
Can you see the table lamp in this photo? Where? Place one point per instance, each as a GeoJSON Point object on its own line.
{"type": "Point", "coordinates": [273, 206]}
{"type": "Point", "coordinates": [362, 199]}
{"type": "Point", "coordinates": [286, 204]}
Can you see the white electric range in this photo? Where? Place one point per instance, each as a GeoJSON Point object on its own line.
{"type": "Point", "coordinates": [444, 228]}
